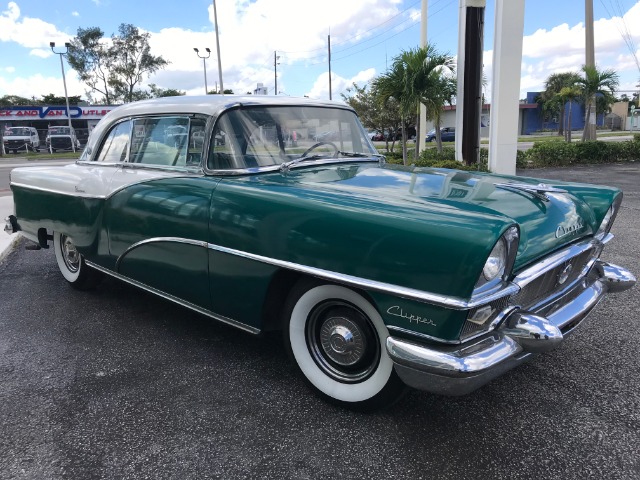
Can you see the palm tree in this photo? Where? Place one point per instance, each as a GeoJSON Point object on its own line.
{"type": "Point", "coordinates": [570, 95]}
{"type": "Point", "coordinates": [416, 76]}
{"type": "Point", "coordinates": [442, 91]}
{"type": "Point", "coordinates": [391, 86]}
{"type": "Point", "coordinates": [551, 101]}
{"type": "Point", "coordinates": [596, 82]}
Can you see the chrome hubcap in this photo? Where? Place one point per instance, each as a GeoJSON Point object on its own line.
{"type": "Point", "coordinates": [342, 341]}
{"type": "Point", "coordinates": [70, 254]}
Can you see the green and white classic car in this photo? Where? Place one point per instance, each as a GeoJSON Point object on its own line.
{"type": "Point", "coordinates": [279, 214]}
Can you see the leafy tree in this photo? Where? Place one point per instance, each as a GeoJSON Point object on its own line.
{"type": "Point", "coordinates": [157, 92]}
{"type": "Point", "coordinates": [227, 91]}
{"type": "Point", "coordinates": [114, 68]}
{"type": "Point", "coordinates": [92, 59]}
{"type": "Point", "coordinates": [552, 103]}
{"type": "Point", "coordinates": [132, 60]}
{"type": "Point", "coordinates": [16, 100]}
{"type": "Point", "coordinates": [51, 99]}
{"type": "Point", "coordinates": [596, 83]}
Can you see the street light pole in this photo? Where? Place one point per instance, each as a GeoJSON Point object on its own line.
{"type": "Point", "coordinates": [215, 20]}
{"type": "Point", "coordinates": [204, 64]}
{"type": "Point", "coordinates": [64, 82]}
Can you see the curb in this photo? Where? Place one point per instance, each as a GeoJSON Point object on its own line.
{"type": "Point", "coordinates": [7, 244]}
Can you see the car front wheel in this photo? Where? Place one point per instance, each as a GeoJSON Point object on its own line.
{"type": "Point", "coordinates": [337, 340]}
{"type": "Point", "coordinates": [72, 265]}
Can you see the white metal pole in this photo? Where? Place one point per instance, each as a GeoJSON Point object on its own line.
{"type": "Point", "coordinates": [64, 82]}
{"type": "Point", "coordinates": [204, 64]}
{"type": "Point", "coordinates": [462, 21]}
{"type": "Point", "coordinates": [505, 88]}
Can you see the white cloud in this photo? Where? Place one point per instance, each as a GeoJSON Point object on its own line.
{"type": "Point", "coordinates": [75, 14]}
{"type": "Point", "coordinates": [339, 84]}
{"type": "Point", "coordinates": [41, 52]}
{"type": "Point", "coordinates": [27, 32]}
{"type": "Point", "coordinates": [38, 85]}
{"type": "Point", "coordinates": [250, 32]}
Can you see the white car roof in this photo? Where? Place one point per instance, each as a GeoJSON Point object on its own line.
{"type": "Point", "coordinates": [212, 105]}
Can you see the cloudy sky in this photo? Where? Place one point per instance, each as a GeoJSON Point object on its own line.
{"type": "Point", "coordinates": [365, 36]}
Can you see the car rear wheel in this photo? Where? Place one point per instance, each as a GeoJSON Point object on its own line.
{"type": "Point", "coordinates": [337, 340]}
{"type": "Point", "coordinates": [72, 265]}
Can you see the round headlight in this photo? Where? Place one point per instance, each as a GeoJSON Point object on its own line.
{"type": "Point", "coordinates": [496, 262]}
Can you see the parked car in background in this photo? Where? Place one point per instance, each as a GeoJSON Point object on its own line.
{"type": "Point", "coordinates": [62, 138]}
{"type": "Point", "coordinates": [23, 139]}
{"type": "Point", "coordinates": [379, 276]}
{"type": "Point", "coordinates": [448, 134]}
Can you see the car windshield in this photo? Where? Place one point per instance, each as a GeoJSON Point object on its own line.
{"type": "Point", "coordinates": [59, 131]}
{"type": "Point", "coordinates": [252, 137]}
{"type": "Point", "coordinates": [17, 132]}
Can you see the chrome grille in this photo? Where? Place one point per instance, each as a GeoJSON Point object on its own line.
{"type": "Point", "coordinates": [548, 283]}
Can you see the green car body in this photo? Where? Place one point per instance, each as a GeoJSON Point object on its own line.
{"type": "Point", "coordinates": [414, 243]}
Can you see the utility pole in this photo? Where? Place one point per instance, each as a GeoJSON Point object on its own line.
{"type": "Point", "coordinates": [589, 132]}
{"type": "Point", "coordinates": [215, 19]}
{"type": "Point", "coordinates": [275, 71]}
{"type": "Point", "coordinates": [329, 47]}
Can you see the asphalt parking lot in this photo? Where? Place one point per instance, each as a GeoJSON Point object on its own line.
{"type": "Point", "coordinates": [119, 384]}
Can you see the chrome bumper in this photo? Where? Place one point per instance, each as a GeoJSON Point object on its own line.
{"type": "Point", "coordinates": [460, 369]}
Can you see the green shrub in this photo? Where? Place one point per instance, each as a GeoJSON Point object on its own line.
{"type": "Point", "coordinates": [552, 154]}
{"type": "Point", "coordinates": [522, 159]}
{"type": "Point", "coordinates": [431, 154]}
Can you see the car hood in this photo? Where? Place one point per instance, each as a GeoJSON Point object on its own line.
{"type": "Point", "coordinates": [547, 220]}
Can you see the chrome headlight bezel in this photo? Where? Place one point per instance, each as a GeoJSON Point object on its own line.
{"type": "Point", "coordinates": [500, 261]}
{"type": "Point", "coordinates": [609, 217]}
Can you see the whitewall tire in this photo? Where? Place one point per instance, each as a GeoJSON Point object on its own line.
{"type": "Point", "coordinates": [337, 339]}
{"type": "Point", "coordinates": [72, 265]}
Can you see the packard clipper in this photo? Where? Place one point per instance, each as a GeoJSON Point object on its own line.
{"type": "Point", "coordinates": [279, 214]}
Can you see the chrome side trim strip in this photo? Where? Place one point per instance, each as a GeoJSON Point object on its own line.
{"type": "Point", "coordinates": [423, 336]}
{"type": "Point", "coordinates": [58, 192]}
{"type": "Point", "coordinates": [157, 240]}
{"type": "Point", "coordinates": [366, 284]}
{"type": "Point", "coordinates": [166, 296]}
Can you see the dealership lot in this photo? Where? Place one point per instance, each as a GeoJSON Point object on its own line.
{"type": "Point", "coordinates": [117, 383]}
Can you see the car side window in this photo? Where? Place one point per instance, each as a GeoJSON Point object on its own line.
{"type": "Point", "coordinates": [196, 142]}
{"type": "Point", "coordinates": [116, 145]}
{"type": "Point", "coordinates": [160, 141]}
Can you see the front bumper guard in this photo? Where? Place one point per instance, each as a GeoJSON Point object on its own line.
{"type": "Point", "coordinates": [458, 370]}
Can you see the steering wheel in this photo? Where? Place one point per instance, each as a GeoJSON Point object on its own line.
{"type": "Point", "coordinates": [319, 144]}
